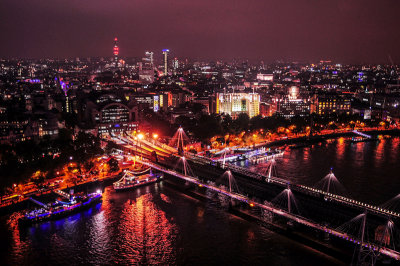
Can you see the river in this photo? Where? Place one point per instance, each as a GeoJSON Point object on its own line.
{"type": "Point", "coordinates": [159, 225]}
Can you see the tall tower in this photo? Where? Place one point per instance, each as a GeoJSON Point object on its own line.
{"type": "Point", "coordinates": [116, 51]}
{"type": "Point", "coordinates": [175, 65]}
{"type": "Point", "coordinates": [165, 53]}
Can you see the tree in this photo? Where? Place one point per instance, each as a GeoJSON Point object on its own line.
{"type": "Point", "coordinates": [226, 124]}
{"type": "Point", "coordinates": [113, 165]}
{"type": "Point", "coordinates": [38, 178]}
{"type": "Point", "coordinates": [210, 127]}
{"type": "Point", "coordinates": [241, 123]}
{"type": "Point", "coordinates": [110, 147]}
{"type": "Point", "coordinates": [86, 146]}
{"type": "Point", "coordinates": [256, 122]}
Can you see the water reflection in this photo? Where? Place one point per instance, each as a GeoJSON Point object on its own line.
{"type": "Point", "coordinates": [340, 148]}
{"type": "Point", "coordinates": [364, 168]}
{"type": "Point", "coordinates": [380, 155]}
{"type": "Point", "coordinates": [158, 225]}
{"type": "Point", "coordinates": [148, 234]}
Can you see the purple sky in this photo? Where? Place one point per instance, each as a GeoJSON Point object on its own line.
{"type": "Point", "coordinates": [348, 31]}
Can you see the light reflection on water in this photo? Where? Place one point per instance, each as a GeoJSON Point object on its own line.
{"type": "Point", "coordinates": [158, 225]}
{"type": "Point", "coordinates": [151, 225]}
{"type": "Point", "coordinates": [368, 170]}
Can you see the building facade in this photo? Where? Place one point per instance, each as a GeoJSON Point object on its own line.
{"type": "Point", "coordinates": [328, 104]}
{"type": "Point", "coordinates": [237, 103]}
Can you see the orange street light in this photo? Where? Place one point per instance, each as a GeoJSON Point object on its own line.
{"type": "Point", "coordinates": [155, 136]}
{"type": "Point", "coordinates": [140, 136]}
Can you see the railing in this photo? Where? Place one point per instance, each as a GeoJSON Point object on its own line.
{"type": "Point", "coordinates": [330, 196]}
{"type": "Point", "coordinates": [38, 203]}
{"type": "Point", "coordinates": [62, 194]}
{"type": "Point", "coordinates": [299, 219]}
{"type": "Point", "coordinates": [283, 182]}
{"type": "Point", "coordinates": [361, 134]}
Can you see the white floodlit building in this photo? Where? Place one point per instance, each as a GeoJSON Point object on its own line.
{"type": "Point", "coordinates": [237, 103]}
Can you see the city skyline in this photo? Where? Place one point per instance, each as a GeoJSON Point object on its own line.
{"type": "Point", "coordinates": [213, 132]}
{"type": "Point", "coordinates": [356, 32]}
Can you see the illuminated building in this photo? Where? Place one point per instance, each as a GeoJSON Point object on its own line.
{"type": "Point", "coordinates": [288, 107]}
{"type": "Point", "coordinates": [149, 59]}
{"type": "Point", "coordinates": [178, 98]}
{"type": "Point", "coordinates": [42, 124]}
{"type": "Point", "coordinates": [293, 92]}
{"type": "Point", "coordinates": [165, 55]}
{"type": "Point", "coordinates": [291, 104]}
{"type": "Point", "coordinates": [110, 114]}
{"type": "Point", "coordinates": [237, 103]}
{"type": "Point", "coordinates": [175, 65]}
{"type": "Point", "coordinates": [328, 104]}
{"type": "Point", "coordinates": [265, 77]}
{"type": "Point", "coordinates": [162, 101]}
{"type": "Point", "coordinates": [146, 69]}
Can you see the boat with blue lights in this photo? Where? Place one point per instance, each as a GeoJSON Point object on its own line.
{"type": "Point", "coordinates": [60, 208]}
{"type": "Point", "coordinates": [362, 139]}
{"type": "Point", "coordinates": [137, 178]}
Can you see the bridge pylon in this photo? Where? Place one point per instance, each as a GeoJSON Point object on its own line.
{"type": "Point", "coordinates": [178, 140]}
{"type": "Point", "coordinates": [367, 255]}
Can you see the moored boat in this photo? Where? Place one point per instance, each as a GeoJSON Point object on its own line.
{"type": "Point", "coordinates": [134, 179]}
{"type": "Point", "coordinates": [362, 139]}
{"type": "Point", "coordinates": [60, 208]}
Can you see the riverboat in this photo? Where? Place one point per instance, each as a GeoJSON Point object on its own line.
{"type": "Point", "coordinates": [60, 208]}
{"type": "Point", "coordinates": [135, 179]}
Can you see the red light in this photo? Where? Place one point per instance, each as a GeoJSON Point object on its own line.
{"type": "Point", "coordinates": [116, 50]}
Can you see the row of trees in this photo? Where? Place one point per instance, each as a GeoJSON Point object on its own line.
{"type": "Point", "coordinates": [19, 161]}
{"type": "Point", "coordinates": [208, 126]}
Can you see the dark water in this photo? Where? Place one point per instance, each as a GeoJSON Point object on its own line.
{"type": "Point", "coordinates": [152, 225]}
{"type": "Point", "coordinates": [159, 225]}
{"type": "Point", "coordinates": [367, 171]}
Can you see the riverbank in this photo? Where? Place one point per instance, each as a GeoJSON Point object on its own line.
{"type": "Point", "coordinates": [319, 138]}
{"type": "Point", "coordinates": [90, 185]}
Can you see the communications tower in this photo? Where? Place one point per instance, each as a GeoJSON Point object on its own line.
{"type": "Point", "coordinates": [116, 51]}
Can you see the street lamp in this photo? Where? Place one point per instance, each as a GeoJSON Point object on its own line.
{"type": "Point", "coordinates": [155, 136]}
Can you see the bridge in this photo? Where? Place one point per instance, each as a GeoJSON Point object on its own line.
{"type": "Point", "coordinates": [264, 188]}
{"type": "Point", "coordinates": [39, 203]}
{"type": "Point", "coordinates": [361, 134]}
{"type": "Point", "coordinates": [277, 211]}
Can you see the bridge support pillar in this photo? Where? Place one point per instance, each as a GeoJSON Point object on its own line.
{"type": "Point", "coordinates": [326, 236]}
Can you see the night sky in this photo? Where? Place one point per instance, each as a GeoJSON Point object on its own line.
{"type": "Point", "coordinates": [346, 31]}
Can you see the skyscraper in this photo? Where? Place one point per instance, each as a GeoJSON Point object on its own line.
{"type": "Point", "coordinates": [175, 65]}
{"type": "Point", "coordinates": [116, 51]}
{"type": "Point", "coordinates": [146, 69]}
{"type": "Point", "coordinates": [149, 59]}
{"type": "Point", "coordinates": [165, 53]}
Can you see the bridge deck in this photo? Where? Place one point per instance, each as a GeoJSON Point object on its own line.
{"type": "Point", "coordinates": [298, 219]}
